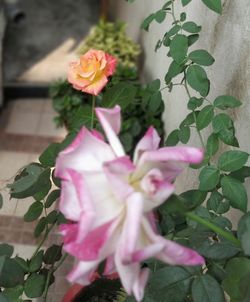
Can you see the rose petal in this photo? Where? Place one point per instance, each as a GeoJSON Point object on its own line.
{"type": "Point", "coordinates": [110, 120]}
{"type": "Point", "coordinates": [149, 142]}
{"type": "Point", "coordinates": [83, 272]}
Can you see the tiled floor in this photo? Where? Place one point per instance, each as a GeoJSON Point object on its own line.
{"type": "Point", "coordinates": [26, 129]}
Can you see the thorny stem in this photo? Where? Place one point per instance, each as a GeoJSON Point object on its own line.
{"type": "Point", "coordinates": [93, 111]}
{"type": "Point", "coordinates": [227, 235]}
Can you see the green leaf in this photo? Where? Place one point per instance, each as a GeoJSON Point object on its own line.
{"type": "Point", "coordinates": [155, 101]}
{"type": "Point", "coordinates": [235, 192]}
{"type": "Point", "coordinates": [173, 138]}
{"type": "Point", "coordinates": [154, 86]}
{"type": "Point", "coordinates": [184, 134]}
{"type": "Point", "coordinates": [232, 160]}
{"type": "Point", "coordinates": [146, 22]}
{"type": "Point", "coordinates": [40, 227]}
{"type": "Point", "coordinates": [205, 117]}
{"type": "Point", "coordinates": [201, 57]}
{"type": "Point", "coordinates": [193, 198]}
{"type": "Point", "coordinates": [52, 197]}
{"type": "Point", "coordinates": [214, 5]}
{"type": "Point", "coordinates": [43, 185]}
{"type": "Point", "coordinates": [192, 39]}
{"type": "Point", "coordinates": [121, 94]}
{"type": "Point", "coordinates": [209, 178]}
{"type": "Point", "coordinates": [160, 16]}
{"type": "Point", "coordinates": [227, 136]}
{"type": "Point", "coordinates": [216, 204]}
{"type": "Point", "coordinates": [221, 122]}
{"type": "Point", "coordinates": [23, 186]}
{"type": "Point", "coordinates": [178, 48]}
{"type": "Point", "coordinates": [206, 289]}
{"type": "Point", "coordinates": [11, 273]}
{"type": "Point", "coordinates": [225, 101]}
{"type": "Point", "coordinates": [189, 120]}
{"type": "Point", "coordinates": [212, 144]}
{"type": "Point", "coordinates": [191, 27]}
{"type": "Point", "coordinates": [53, 254]}
{"type": "Point", "coordinates": [173, 31]}
{"type": "Point", "coordinates": [194, 103]}
{"type": "Point", "coordinates": [13, 293]}
{"type": "Point", "coordinates": [34, 285]}
{"type": "Point", "coordinates": [52, 216]}
{"type": "Point", "coordinates": [197, 79]}
{"type": "Point", "coordinates": [183, 17]}
{"type": "Point", "coordinates": [241, 174]}
{"type": "Point", "coordinates": [1, 200]}
{"type": "Point", "coordinates": [173, 70]}
{"type": "Point", "coordinates": [82, 117]}
{"type": "Point", "coordinates": [34, 211]}
{"type": "Point", "coordinates": [236, 269]}
{"type": "Point", "coordinates": [243, 232]}
{"type": "Point", "coordinates": [166, 5]}
{"type": "Point", "coordinates": [48, 157]}
{"type": "Point", "coordinates": [6, 250]}
{"type": "Point", "coordinates": [185, 2]}
{"type": "Point", "coordinates": [36, 262]}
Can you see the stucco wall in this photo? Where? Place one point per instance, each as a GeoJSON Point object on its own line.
{"type": "Point", "coordinates": [226, 37]}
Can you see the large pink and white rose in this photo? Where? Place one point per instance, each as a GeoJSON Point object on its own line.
{"type": "Point", "coordinates": [110, 199]}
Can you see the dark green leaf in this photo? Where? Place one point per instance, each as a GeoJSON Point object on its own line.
{"type": "Point", "coordinates": [189, 120]}
{"type": "Point", "coordinates": [24, 183]}
{"type": "Point", "coordinates": [216, 204]}
{"type": "Point", "coordinates": [13, 293]}
{"type": "Point", "coordinates": [173, 138]}
{"type": "Point", "coordinates": [154, 86]}
{"type": "Point", "coordinates": [201, 57]}
{"type": "Point", "coordinates": [36, 262]}
{"type": "Point", "coordinates": [155, 101]}
{"type": "Point", "coordinates": [173, 31]}
{"type": "Point", "coordinates": [34, 285]}
{"type": "Point", "coordinates": [205, 117]}
{"type": "Point", "coordinates": [173, 71]}
{"type": "Point", "coordinates": [244, 232]}
{"type": "Point", "coordinates": [48, 157]}
{"type": "Point", "coordinates": [206, 289]}
{"type": "Point", "coordinates": [191, 27]}
{"type": "Point", "coordinates": [193, 198]}
{"type": "Point", "coordinates": [6, 250]}
{"type": "Point", "coordinates": [160, 16]}
{"type": "Point", "coordinates": [197, 79]}
{"type": "Point", "coordinates": [52, 216]}
{"type": "Point", "coordinates": [184, 134]}
{"type": "Point", "coordinates": [236, 193]}
{"type": "Point", "coordinates": [209, 178]}
{"type": "Point", "coordinates": [52, 197]}
{"type": "Point", "coordinates": [227, 136]}
{"type": "Point", "coordinates": [167, 4]}
{"type": "Point", "coordinates": [241, 174]}
{"type": "Point", "coordinates": [11, 273]}
{"type": "Point", "coordinates": [53, 254]}
{"type": "Point", "coordinates": [178, 48]}
{"type": "Point", "coordinates": [214, 5]}
{"type": "Point", "coordinates": [236, 269]}
{"type": "Point", "coordinates": [121, 94]}
{"type": "Point", "coordinates": [194, 103]}
{"type": "Point", "coordinates": [192, 39]}
{"type": "Point", "coordinates": [183, 17]}
{"type": "Point", "coordinates": [146, 23]}
{"type": "Point", "coordinates": [1, 200]}
{"type": "Point", "coordinates": [225, 101]}
{"type": "Point", "coordinates": [185, 2]}
{"type": "Point", "coordinates": [43, 185]}
{"type": "Point", "coordinates": [232, 160]}
{"type": "Point", "coordinates": [40, 227]}
{"type": "Point", "coordinates": [221, 122]}
{"type": "Point", "coordinates": [34, 211]}
{"type": "Point", "coordinates": [212, 144]}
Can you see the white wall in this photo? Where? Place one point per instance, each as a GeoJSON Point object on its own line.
{"type": "Point", "coordinates": [226, 37]}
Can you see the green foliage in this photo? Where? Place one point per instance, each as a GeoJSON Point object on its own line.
{"type": "Point", "coordinates": [197, 79]}
{"type": "Point", "coordinates": [111, 37]}
{"type": "Point", "coordinates": [214, 5]}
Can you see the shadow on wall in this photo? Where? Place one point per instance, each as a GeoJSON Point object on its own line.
{"type": "Point", "coordinates": [49, 28]}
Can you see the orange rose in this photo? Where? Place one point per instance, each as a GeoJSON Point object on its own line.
{"type": "Point", "coordinates": [90, 73]}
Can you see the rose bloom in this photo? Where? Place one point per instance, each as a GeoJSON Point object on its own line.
{"type": "Point", "coordinates": [110, 199]}
{"type": "Point", "coordinates": [90, 74]}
